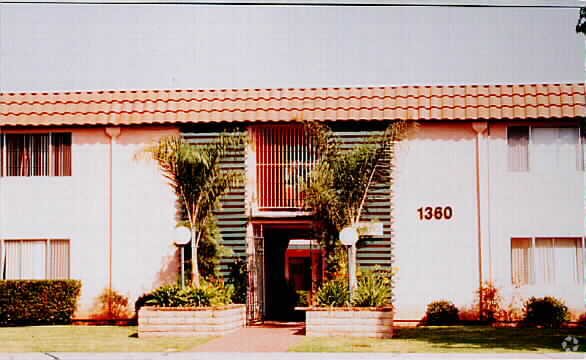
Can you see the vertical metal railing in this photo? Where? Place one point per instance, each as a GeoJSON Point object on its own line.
{"type": "Point", "coordinates": [284, 158]}
{"type": "Point", "coordinates": [255, 300]}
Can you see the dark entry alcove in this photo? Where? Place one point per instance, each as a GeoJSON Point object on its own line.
{"type": "Point", "coordinates": [280, 295]}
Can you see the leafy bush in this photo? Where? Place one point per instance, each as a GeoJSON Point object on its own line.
{"type": "Point", "coordinates": [512, 311]}
{"type": "Point", "coordinates": [218, 293]}
{"type": "Point", "coordinates": [490, 298]}
{"type": "Point", "coordinates": [441, 312]}
{"type": "Point", "coordinates": [374, 288]}
{"type": "Point", "coordinates": [238, 277]}
{"type": "Point", "coordinates": [32, 302]}
{"type": "Point", "coordinates": [547, 312]}
{"type": "Point", "coordinates": [302, 298]}
{"type": "Point", "coordinates": [333, 293]}
{"type": "Point", "coordinates": [209, 294]}
{"type": "Point", "coordinates": [111, 305]}
{"type": "Point", "coordinates": [166, 296]}
{"type": "Point", "coordinates": [191, 296]}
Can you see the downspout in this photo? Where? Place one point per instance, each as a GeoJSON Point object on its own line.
{"type": "Point", "coordinates": [113, 133]}
{"type": "Point", "coordinates": [479, 128]}
{"type": "Point", "coordinates": [488, 208]}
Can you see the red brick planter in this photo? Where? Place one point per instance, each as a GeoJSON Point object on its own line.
{"type": "Point", "coordinates": [190, 321]}
{"type": "Point", "coordinates": [349, 321]}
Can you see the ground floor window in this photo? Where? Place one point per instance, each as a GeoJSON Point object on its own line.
{"type": "Point", "coordinates": [547, 261]}
{"type": "Point", "coordinates": [35, 259]}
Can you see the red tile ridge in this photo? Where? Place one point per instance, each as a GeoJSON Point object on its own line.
{"type": "Point", "coordinates": [289, 109]}
{"type": "Point", "coordinates": [269, 89]}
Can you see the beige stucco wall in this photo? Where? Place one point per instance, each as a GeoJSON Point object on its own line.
{"type": "Point", "coordinates": [438, 259]}
{"type": "Point", "coordinates": [531, 204]}
{"type": "Point", "coordinates": [435, 258]}
{"type": "Point", "coordinates": [75, 208]}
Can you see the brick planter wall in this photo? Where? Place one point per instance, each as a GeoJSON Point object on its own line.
{"type": "Point", "coordinates": [368, 322]}
{"type": "Point", "coordinates": [196, 321]}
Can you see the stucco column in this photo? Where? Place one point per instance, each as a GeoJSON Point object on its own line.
{"type": "Point", "coordinates": [2, 142]}
{"type": "Point", "coordinates": [480, 128]}
{"type": "Point", "coordinates": [583, 128]}
{"type": "Point", "coordinates": [113, 133]}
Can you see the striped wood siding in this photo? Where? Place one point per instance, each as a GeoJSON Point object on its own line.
{"type": "Point", "coordinates": [372, 251]}
{"type": "Point", "coordinates": [231, 217]}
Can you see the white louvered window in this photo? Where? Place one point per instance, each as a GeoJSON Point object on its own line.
{"type": "Point", "coordinates": [35, 259]}
{"type": "Point", "coordinates": [518, 141]}
{"type": "Point", "coordinates": [545, 149]}
{"type": "Point", "coordinates": [285, 156]}
{"type": "Point", "coordinates": [555, 149]}
{"type": "Point", "coordinates": [556, 261]}
{"type": "Point", "coordinates": [521, 261]}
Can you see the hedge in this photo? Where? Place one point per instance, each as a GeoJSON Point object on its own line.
{"type": "Point", "coordinates": [36, 302]}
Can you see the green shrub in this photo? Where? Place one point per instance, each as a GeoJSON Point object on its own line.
{"type": "Point", "coordinates": [302, 298]}
{"type": "Point", "coordinates": [32, 302]}
{"type": "Point", "coordinates": [218, 293]}
{"type": "Point", "coordinates": [333, 293]}
{"type": "Point", "coordinates": [547, 312]}
{"type": "Point", "coordinates": [191, 296]}
{"type": "Point", "coordinates": [238, 278]}
{"type": "Point", "coordinates": [441, 312]}
{"type": "Point", "coordinates": [374, 289]}
{"type": "Point", "coordinates": [166, 296]}
{"type": "Point", "coordinates": [208, 294]}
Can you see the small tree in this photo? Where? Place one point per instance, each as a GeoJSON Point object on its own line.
{"type": "Point", "coordinates": [195, 175]}
{"type": "Point", "coordinates": [338, 187]}
{"type": "Point", "coordinates": [489, 296]}
{"type": "Point", "coordinates": [209, 251]}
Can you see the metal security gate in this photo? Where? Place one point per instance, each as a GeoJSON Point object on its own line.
{"type": "Point", "coordinates": [255, 299]}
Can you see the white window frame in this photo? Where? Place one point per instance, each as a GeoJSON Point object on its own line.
{"type": "Point", "coordinates": [580, 159]}
{"type": "Point", "coordinates": [532, 261]}
{"type": "Point", "coordinates": [51, 170]}
{"type": "Point", "coordinates": [47, 256]}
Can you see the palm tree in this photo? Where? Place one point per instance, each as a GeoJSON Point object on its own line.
{"type": "Point", "coordinates": [339, 184]}
{"type": "Point", "coordinates": [194, 174]}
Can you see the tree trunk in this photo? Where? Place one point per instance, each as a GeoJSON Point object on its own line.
{"type": "Point", "coordinates": [194, 262]}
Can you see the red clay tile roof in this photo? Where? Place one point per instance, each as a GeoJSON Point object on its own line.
{"type": "Point", "coordinates": [462, 102]}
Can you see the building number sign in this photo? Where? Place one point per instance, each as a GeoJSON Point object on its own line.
{"type": "Point", "coordinates": [437, 213]}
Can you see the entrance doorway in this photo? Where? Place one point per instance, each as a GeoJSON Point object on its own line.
{"type": "Point", "coordinates": [289, 270]}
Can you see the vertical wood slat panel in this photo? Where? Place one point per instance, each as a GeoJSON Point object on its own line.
{"type": "Point", "coordinates": [232, 216]}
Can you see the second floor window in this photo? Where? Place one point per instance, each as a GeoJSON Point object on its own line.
{"type": "Point", "coordinates": [46, 154]}
{"type": "Point", "coordinates": [545, 149]}
{"type": "Point", "coordinates": [285, 156]}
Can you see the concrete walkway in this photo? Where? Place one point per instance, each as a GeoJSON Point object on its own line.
{"type": "Point", "coordinates": [269, 337]}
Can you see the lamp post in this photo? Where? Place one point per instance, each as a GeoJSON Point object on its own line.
{"type": "Point", "coordinates": [349, 237]}
{"type": "Point", "coordinates": [181, 238]}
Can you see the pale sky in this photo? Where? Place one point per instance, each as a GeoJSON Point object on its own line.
{"type": "Point", "coordinates": [64, 47]}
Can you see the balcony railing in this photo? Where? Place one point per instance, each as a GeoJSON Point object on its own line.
{"type": "Point", "coordinates": [285, 156]}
